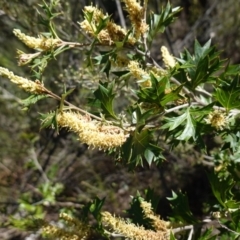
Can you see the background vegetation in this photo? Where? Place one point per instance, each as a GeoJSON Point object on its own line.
{"type": "Point", "coordinates": [41, 165]}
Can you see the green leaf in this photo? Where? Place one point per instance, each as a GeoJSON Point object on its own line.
{"type": "Point", "coordinates": [88, 16]}
{"type": "Point", "coordinates": [201, 66]}
{"type": "Point", "coordinates": [157, 92]}
{"type": "Point", "coordinates": [180, 207]}
{"type": "Point", "coordinates": [172, 96]}
{"type": "Point", "coordinates": [207, 235]}
{"type": "Point", "coordinates": [32, 100]}
{"type": "Point", "coordinates": [231, 70]}
{"type": "Point", "coordinates": [172, 236]}
{"type": "Point", "coordinates": [159, 22]}
{"type": "Point", "coordinates": [137, 215]}
{"type": "Point", "coordinates": [149, 156]}
{"type": "Point", "coordinates": [152, 197]}
{"type": "Point", "coordinates": [221, 188]}
{"type": "Point", "coordinates": [200, 51]}
{"type": "Point", "coordinates": [102, 23]}
{"type": "Point", "coordinates": [229, 96]}
{"type": "Point", "coordinates": [49, 120]}
{"type": "Point", "coordinates": [141, 141]}
{"type": "Point", "coordinates": [189, 130]}
{"type": "Point", "coordinates": [139, 147]}
{"type": "Point", "coordinates": [174, 122]}
{"type": "Point", "coordinates": [139, 116]}
{"type": "Point", "coordinates": [104, 59]}
{"type": "Point", "coordinates": [183, 126]}
{"type": "Point", "coordinates": [94, 208]}
{"type": "Point", "coordinates": [105, 95]}
{"type": "Point", "coordinates": [235, 216]}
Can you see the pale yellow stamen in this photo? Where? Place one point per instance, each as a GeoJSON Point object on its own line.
{"type": "Point", "coordinates": [130, 230]}
{"type": "Point", "coordinates": [158, 224]}
{"type": "Point", "coordinates": [92, 132]}
{"type": "Point", "coordinates": [168, 59]}
{"type": "Point", "coordinates": [136, 70]}
{"type": "Point", "coordinates": [24, 83]}
{"type": "Point", "coordinates": [136, 16]}
{"type": "Point", "coordinates": [217, 119]}
{"type": "Point", "coordinates": [41, 43]}
{"type": "Point", "coordinates": [107, 36]}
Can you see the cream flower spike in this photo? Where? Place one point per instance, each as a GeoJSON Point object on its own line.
{"type": "Point", "coordinates": [136, 16]}
{"type": "Point", "coordinates": [24, 83]}
{"type": "Point", "coordinates": [92, 132]}
{"type": "Point", "coordinates": [132, 231]}
{"type": "Point", "coordinates": [37, 43]}
{"type": "Point", "coordinates": [168, 59]}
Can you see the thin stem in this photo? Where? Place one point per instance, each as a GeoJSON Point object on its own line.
{"type": "Point", "coordinates": [37, 164]}
{"type": "Point", "coordinates": [53, 95]}
{"type": "Point", "coordinates": [230, 230]}
{"type": "Point", "coordinates": [176, 108]}
{"type": "Point", "coordinates": [190, 234]}
{"type": "Point", "coordinates": [201, 90]}
{"type": "Point", "coordinates": [145, 34]}
{"type": "Point", "coordinates": [184, 228]}
{"type": "Point", "coordinates": [74, 44]}
{"type": "Point", "coordinates": [120, 13]}
{"type": "Point", "coordinates": [158, 66]}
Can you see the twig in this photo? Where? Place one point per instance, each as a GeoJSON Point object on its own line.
{"type": "Point", "coordinates": [230, 230]}
{"type": "Point", "coordinates": [176, 108]}
{"type": "Point", "coordinates": [120, 13]}
{"type": "Point", "coordinates": [201, 90]}
{"type": "Point", "coordinates": [184, 228]}
{"type": "Point", "coordinates": [208, 157]}
{"type": "Point", "coordinates": [145, 34]}
{"type": "Point", "coordinates": [115, 235]}
{"type": "Point", "coordinates": [174, 80]}
{"type": "Point", "coordinates": [37, 164]}
{"type": "Point", "coordinates": [190, 234]}
{"type": "Point", "coordinates": [53, 95]}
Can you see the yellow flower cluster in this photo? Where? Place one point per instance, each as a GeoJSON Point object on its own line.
{"type": "Point", "coordinates": [40, 43]}
{"type": "Point", "coordinates": [27, 85]}
{"type": "Point", "coordinates": [108, 35]}
{"type": "Point", "coordinates": [139, 74]}
{"type": "Point", "coordinates": [76, 230]}
{"type": "Point", "coordinates": [130, 230]}
{"type": "Point", "coordinates": [136, 70]}
{"type": "Point", "coordinates": [158, 224]}
{"type": "Point", "coordinates": [24, 58]}
{"type": "Point", "coordinates": [168, 59]}
{"type": "Point", "coordinates": [92, 132]}
{"type": "Point", "coordinates": [217, 119]}
{"type": "Point", "coordinates": [58, 233]}
{"type": "Point", "coordinates": [136, 16]}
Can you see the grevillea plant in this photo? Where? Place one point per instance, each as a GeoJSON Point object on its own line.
{"type": "Point", "coordinates": [179, 100]}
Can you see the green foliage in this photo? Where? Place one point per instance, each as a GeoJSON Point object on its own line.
{"type": "Point", "coordinates": [201, 65]}
{"type": "Point", "coordinates": [228, 94]}
{"type": "Point", "coordinates": [159, 22]}
{"type": "Point", "coordinates": [181, 210]}
{"type": "Point", "coordinates": [138, 110]}
{"type": "Point", "coordinates": [104, 96]}
{"type": "Point", "coordinates": [177, 123]}
{"type": "Point", "coordinates": [32, 100]}
{"type": "Point", "coordinates": [156, 94]}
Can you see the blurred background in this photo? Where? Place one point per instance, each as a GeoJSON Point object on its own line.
{"type": "Point", "coordinates": [39, 164]}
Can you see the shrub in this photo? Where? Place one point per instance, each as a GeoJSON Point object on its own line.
{"type": "Point", "coordinates": [173, 103]}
